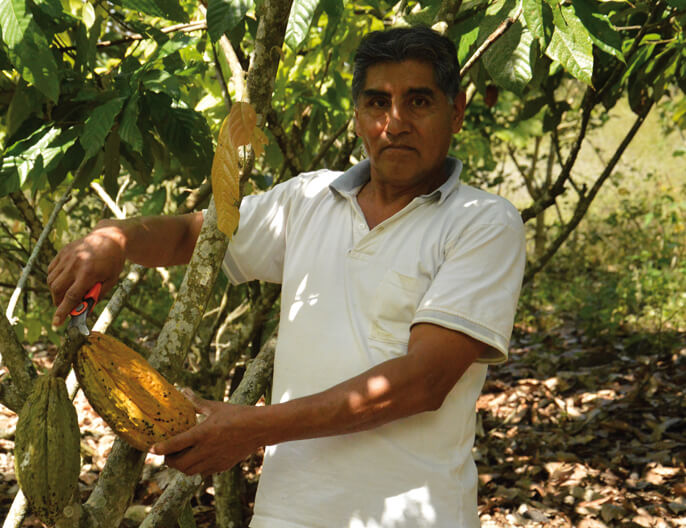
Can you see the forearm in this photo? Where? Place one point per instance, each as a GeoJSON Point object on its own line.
{"type": "Point", "coordinates": [416, 382]}
{"type": "Point", "coordinates": [155, 240]}
{"type": "Point", "coordinates": [398, 388]}
{"type": "Point", "coordinates": [381, 395]}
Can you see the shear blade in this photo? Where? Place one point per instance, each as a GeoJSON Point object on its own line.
{"type": "Point", "coordinates": [80, 322]}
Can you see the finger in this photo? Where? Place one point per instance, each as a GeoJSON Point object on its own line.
{"type": "Point", "coordinates": [58, 282]}
{"type": "Point", "coordinates": [191, 461]}
{"type": "Point", "coordinates": [71, 299]}
{"type": "Point", "coordinates": [176, 443]}
{"type": "Point", "coordinates": [202, 406]}
{"type": "Point", "coordinates": [178, 461]}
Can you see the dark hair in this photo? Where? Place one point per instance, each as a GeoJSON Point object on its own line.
{"type": "Point", "coordinates": [399, 44]}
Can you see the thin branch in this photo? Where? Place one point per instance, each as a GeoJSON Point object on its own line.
{"type": "Point", "coordinates": [533, 191]}
{"type": "Point", "coordinates": [585, 202]}
{"type": "Point", "coordinates": [220, 77]}
{"type": "Point", "coordinates": [184, 28]}
{"type": "Point", "coordinates": [559, 186]}
{"type": "Point", "coordinates": [327, 145]}
{"type": "Point", "coordinates": [34, 255]}
{"type": "Point", "coordinates": [283, 140]}
{"type": "Point", "coordinates": [196, 197]}
{"type": "Point", "coordinates": [490, 40]}
{"type": "Point", "coordinates": [34, 224]}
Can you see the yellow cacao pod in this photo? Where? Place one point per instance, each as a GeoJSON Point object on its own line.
{"type": "Point", "coordinates": [133, 398]}
{"type": "Point", "coordinates": [47, 449]}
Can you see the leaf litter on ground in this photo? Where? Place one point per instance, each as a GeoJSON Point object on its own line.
{"type": "Point", "coordinates": [571, 432]}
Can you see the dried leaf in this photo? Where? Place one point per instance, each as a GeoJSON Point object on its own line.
{"type": "Point", "coordinates": [237, 130]}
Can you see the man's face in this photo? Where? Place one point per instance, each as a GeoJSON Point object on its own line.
{"type": "Point", "coordinates": [406, 122]}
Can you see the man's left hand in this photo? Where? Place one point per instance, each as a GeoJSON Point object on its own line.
{"type": "Point", "coordinates": [216, 444]}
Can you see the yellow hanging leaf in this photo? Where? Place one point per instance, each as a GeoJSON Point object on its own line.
{"type": "Point", "coordinates": [258, 140]}
{"type": "Point", "coordinates": [242, 121]}
{"type": "Point", "coordinates": [238, 129]}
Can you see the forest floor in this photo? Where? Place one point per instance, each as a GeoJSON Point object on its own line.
{"type": "Point", "coordinates": [571, 432]}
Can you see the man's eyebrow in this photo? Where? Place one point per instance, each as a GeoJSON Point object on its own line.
{"type": "Point", "coordinates": [421, 90]}
{"type": "Point", "coordinates": [370, 92]}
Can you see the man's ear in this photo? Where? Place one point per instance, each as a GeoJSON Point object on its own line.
{"type": "Point", "coordinates": [355, 120]}
{"type": "Point", "coordinates": [459, 105]}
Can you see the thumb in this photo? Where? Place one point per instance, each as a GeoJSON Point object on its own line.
{"type": "Point", "coordinates": [201, 405]}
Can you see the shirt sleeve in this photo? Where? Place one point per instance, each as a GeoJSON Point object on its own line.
{"type": "Point", "coordinates": [256, 251]}
{"type": "Point", "coordinates": [476, 289]}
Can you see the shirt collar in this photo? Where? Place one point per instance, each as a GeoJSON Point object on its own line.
{"type": "Point", "coordinates": [351, 181]}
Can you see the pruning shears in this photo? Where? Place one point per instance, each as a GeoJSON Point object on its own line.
{"type": "Point", "coordinates": [79, 315]}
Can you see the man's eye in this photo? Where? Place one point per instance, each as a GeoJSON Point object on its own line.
{"type": "Point", "coordinates": [378, 103]}
{"type": "Point", "coordinates": [420, 102]}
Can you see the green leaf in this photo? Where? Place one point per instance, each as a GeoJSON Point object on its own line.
{"type": "Point", "coordinates": [98, 126]}
{"type": "Point", "coordinates": [571, 45]}
{"type": "Point", "coordinates": [50, 16]}
{"type": "Point", "coordinates": [539, 19]}
{"type": "Point", "coordinates": [185, 133]}
{"type": "Point", "coordinates": [334, 11]}
{"type": "Point", "coordinates": [14, 21]}
{"type": "Point", "coordinates": [22, 157]}
{"type": "Point", "coordinates": [465, 34]}
{"type": "Point", "coordinates": [299, 22]}
{"type": "Point", "coordinates": [128, 127]}
{"type": "Point", "coordinates": [155, 204]}
{"type": "Point", "coordinates": [224, 15]}
{"type": "Point", "coordinates": [169, 9]}
{"type": "Point", "coordinates": [29, 50]}
{"type": "Point", "coordinates": [508, 60]}
{"type": "Point", "coordinates": [599, 28]}
{"type": "Point", "coordinates": [112, 165]}
{"type": "Point", "coordinates": [25, 101]}
{"type": "Point", "coordinates": [162, 81]}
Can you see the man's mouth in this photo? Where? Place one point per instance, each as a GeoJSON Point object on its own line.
{"type": "Point", "coordinates": [400, 148]}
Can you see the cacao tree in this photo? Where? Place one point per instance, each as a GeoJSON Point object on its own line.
{"type": "Point", "coordinates": [113, 106]}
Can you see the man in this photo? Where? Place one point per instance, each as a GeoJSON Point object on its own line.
{"type": "Point", "coordinates": [399, 287]}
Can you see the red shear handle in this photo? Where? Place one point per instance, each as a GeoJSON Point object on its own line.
{"type": "Point", "coordinates": [88, 301]}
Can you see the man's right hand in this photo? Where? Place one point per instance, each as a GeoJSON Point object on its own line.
{"type": "Point", "coordinates": [97, 257]}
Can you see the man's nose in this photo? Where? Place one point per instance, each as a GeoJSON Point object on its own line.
{"type": "Point", "coordinates": [397, 120]}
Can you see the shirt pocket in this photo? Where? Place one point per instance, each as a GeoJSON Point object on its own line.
{"type": "Point", "coordinates": [393, 307]}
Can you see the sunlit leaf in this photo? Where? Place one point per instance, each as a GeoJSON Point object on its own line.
{"type": "Point", "coordinates": [237, 130]}
{"type": "Point", "coordinates": [508, 61]}
{"type": "Point", "coordinates": [169, 9]}
{"type": "Point", "coordinates": [299, 22]}
{"type": "Point", "coordinates": [539, 20]}
{"type": "Point", "coordinates": [258, 140]}
{"type": "Point", "coordinates": [21, 159]}
{"type": "Point", "coordinates": [571, 45]}
{"type": "Point", "coordinates": [599, 28]}
{"type": "Point", "coordinates": [29, 49]}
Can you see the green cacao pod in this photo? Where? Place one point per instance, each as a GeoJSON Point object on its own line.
{"type": "Point", "coordinates": [133, 398]}
{"type": "Point", "coordinates": [47, 449]}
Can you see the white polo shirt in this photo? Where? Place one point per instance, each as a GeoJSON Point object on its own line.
{"type": "Point", "coordinates": [455, 258]}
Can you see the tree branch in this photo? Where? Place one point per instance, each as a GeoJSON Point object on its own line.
{"type": "Point", "coordinates": [35, 226]}
{"type": "Point", "coordinates": [559, 186]}
{"type": "Point", "coordinates": [490, 40]}
{"type": "Point", "coordinates": [327, 145]}
{"type": "Point", "coordinates": [585, 202]}
{"type": "Point", "coordinates": [34, 254]}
